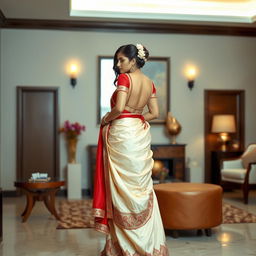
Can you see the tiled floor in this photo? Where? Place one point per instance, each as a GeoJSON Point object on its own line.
{"type": "Point", "coordinates": [39, 236]}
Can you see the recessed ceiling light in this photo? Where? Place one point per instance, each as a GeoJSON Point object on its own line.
{"type": "Point", "coordinates": [194, 10]}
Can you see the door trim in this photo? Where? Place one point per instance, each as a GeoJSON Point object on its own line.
{"type": "Point", "coordinates": [19, 126]}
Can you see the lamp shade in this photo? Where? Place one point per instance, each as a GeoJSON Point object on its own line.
{"type": "Point", "coordinates": [223, 123]}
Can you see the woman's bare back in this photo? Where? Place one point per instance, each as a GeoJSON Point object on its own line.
{"type": "Point", "coordinates": [139, 92]}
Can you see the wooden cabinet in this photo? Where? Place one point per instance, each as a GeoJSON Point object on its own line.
{"type": "Point", "coordinates": [173, 156]}
{"type": "Point", "coordinates": [216, 159]}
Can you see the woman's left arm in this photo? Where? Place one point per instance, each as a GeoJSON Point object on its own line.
{"type": "Point", "coordinates": [117, 109]}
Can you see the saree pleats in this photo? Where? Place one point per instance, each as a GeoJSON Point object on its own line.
{"type": "Point", "coordinates": [134, 222]}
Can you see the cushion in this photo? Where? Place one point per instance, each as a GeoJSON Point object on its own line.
{"type": "Point", "coordinates": [249, 157]}
{"type": "Point", "coordinates": [233, 173]}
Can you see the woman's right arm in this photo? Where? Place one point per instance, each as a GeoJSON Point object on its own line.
{"type": "Point", "coordinates": [153, 110]}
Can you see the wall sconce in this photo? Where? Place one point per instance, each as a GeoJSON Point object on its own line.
{"type": "Point", "coordinates": [191, 73]}
{"type": "Point", "coordinates": [223, 124]}
{"type": "Point", "coordinates": [73, 74]}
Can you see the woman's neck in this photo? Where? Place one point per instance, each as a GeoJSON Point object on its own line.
{"type": "Point", "coordinates": [136, 71]}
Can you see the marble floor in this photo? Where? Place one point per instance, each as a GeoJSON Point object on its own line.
{"type": "Point", "coordinates": [39, 236]}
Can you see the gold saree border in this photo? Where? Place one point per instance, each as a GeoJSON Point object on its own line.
{"type": "Point", "coordinates": [113, 249]}
{"type": "Point", "coordinates": [101, 228]}
{"type": "Point", "coordinates": [122, 88]}
{"type": "Point", "coordinates": [132, 220]}
{"type": "Point", "coordinates": [96, 212]}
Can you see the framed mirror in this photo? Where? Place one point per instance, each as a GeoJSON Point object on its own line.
{"type": "Point", "coordinates": [156, 68]}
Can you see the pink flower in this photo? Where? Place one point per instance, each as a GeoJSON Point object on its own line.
{"type": "Point", "coordinates": [72, 130]}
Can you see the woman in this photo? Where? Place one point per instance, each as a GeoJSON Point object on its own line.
{"type": "Point", "coordinates": [125, 206]}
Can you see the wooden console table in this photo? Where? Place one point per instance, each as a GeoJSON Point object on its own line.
{"type": "Point", "coordinates": [173, 154]}
{"type": "Point", "coordinates": [39, 191]}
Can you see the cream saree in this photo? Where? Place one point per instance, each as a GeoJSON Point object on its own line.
{"type": "Point", "coordinates": [131, 216]}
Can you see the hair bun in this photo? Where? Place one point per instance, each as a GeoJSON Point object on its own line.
{"type": "Point", "coordinates": [142, 52]}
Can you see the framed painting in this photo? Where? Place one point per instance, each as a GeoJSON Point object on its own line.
{"type": "Point", "coordinates": [156, 68]}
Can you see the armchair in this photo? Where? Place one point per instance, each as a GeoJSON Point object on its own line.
{"type": "Point", "coordinates": [241, 172]}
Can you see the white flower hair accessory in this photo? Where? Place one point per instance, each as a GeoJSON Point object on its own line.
{"type": "Point", "coordinates": [141, 53]}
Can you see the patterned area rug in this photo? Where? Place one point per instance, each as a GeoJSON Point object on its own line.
{"type": "Point", "coordinates": [77, 214]}
{"type": "Point", "coordinates": [232, 214]}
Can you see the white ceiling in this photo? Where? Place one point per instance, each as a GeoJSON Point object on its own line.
{"type": "Point", "coordinates": [243, 11]}
{"type": "Point", "coordinates": [60, 10]}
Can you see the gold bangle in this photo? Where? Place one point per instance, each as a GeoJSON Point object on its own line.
{"type": "Point", "coordinates": [104, 121]}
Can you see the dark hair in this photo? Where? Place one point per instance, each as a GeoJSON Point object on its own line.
{"type": "Point", "coordinates": [130, 51]}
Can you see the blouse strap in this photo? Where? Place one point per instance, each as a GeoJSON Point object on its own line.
{"type": "Point", "coordinates": [130, 89]}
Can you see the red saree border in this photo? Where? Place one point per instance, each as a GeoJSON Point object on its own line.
{"type": "Point", "coordinates": [132, 220]}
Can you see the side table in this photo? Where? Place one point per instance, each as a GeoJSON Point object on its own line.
{"type": "Point", "coordinates": [39, 191]}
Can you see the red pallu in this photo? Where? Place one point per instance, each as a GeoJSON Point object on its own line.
{"type": "Point", "coordinates": [99, 196]}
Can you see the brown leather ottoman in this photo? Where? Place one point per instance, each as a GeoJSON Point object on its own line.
{"type": "Point", "coordinates": [186, 206]}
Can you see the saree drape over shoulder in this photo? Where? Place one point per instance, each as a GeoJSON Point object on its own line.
{"type": "Point", "coordinates": [125, 206]}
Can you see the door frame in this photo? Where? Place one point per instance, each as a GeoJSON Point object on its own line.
{"type": "Point", "coordinates": [19, 126]}
{"type": "Point", "coordinates": [210, 144]}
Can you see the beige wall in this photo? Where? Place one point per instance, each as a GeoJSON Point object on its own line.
{"type": "Point", "coordinates": [37, 58]}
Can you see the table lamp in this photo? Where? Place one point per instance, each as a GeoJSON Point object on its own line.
{"type": "Point", "coordinates": [223, 124]}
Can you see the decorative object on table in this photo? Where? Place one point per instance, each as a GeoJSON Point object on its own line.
{"type": "Point", "coordinates": [78, 214]}
{"type": "Point", "coordinates": [159, 171]}
{"type": "Point", "coordinates": [173, 127]}
{"type": "Point", "coordinates": [72, 131]}
{"type": "Point", "coordinates": [39, 177]}
{"type": "Point", "coordinates": [235, 144]}
{"type": "Point", "coordinates": [223, 124]}
{"type": "Point", "coordinates": [158, 165]}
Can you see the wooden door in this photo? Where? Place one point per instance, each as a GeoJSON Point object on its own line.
{"type": "Point", "coordinates": [222, 102]}
{"type": "Point", "coordinates": [37, 131]}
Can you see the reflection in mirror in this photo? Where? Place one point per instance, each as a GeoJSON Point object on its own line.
{"type": "Point", "coordinates": [107, 87]}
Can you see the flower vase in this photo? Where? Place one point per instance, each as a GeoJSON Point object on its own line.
{"type": "Point", "coordinates": [72, 150]}
{"type": "Point", "coordinates": [173, 127]}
